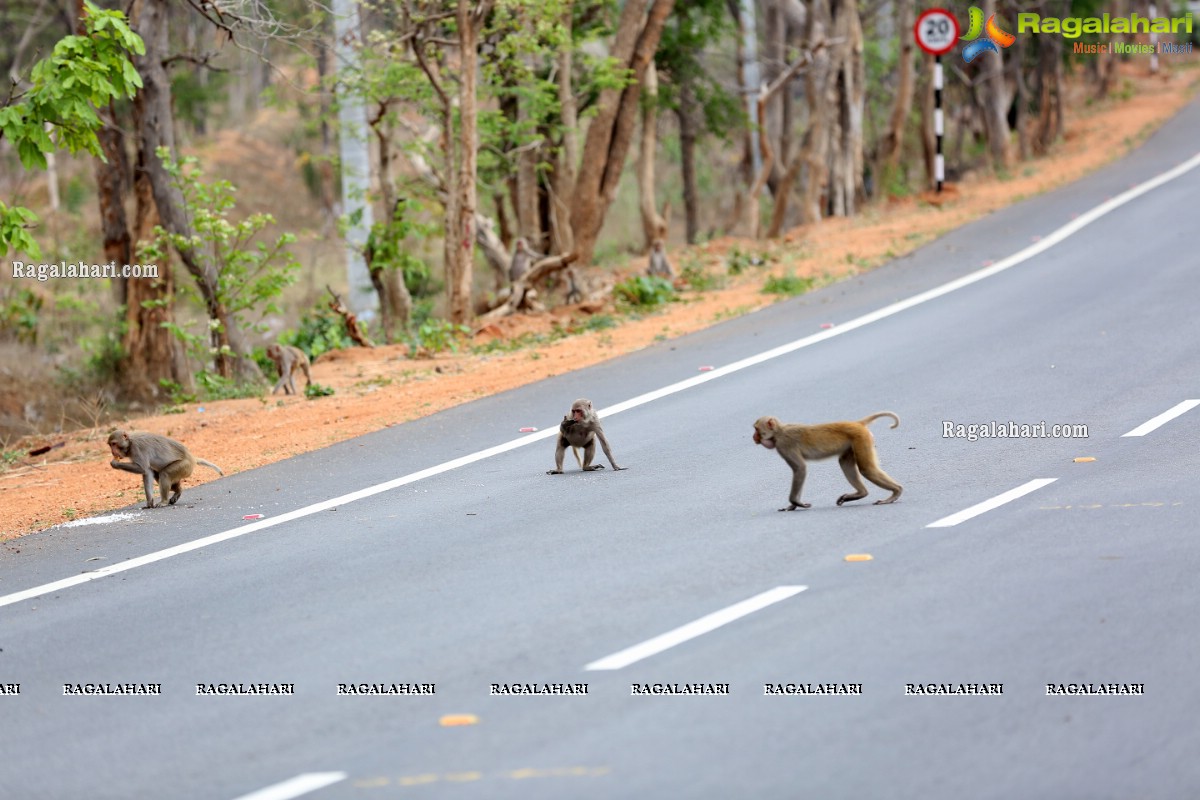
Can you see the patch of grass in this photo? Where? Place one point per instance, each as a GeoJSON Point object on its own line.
{"type": "Point", "coordinates": [317, 390]}
{"type": "Point", "coordinates": [731, 313]}
{"type": "Point", "coordinates": [788, 285]}
{"type": "Point", "coordinates": [699, 279]}
{"type": "Point", "coordinates": [598, 322]}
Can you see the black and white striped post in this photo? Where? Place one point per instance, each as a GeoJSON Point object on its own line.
{"type": "Point", "coordinates": [939, 161]}
{"type": "Point", "coordinates": [936, 32]}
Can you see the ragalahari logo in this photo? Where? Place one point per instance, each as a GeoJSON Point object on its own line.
{"type": "Point", "coordinates": [996, 38]}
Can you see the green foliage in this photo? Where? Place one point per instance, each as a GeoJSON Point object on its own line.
{"type": "Point", "coordinates": [321, 330]}
{"type": "Point", "coordinates": [699, 279]}
{"type": "Point", "coordinates": [250, 275]}
{"type": "Point", "coordinates": [439, 335]}
{"type": "Point", "coordinates": [787, 285]}
{"type": "Point", "coordinates": [317, 390]}
{"type": "Point", "coordinates": [192, 99]}
{"type": "Point", "coordinates": [598, 322]}
{"type": "Point", "coordinates": [738, 262]}
{"type": "Point", "coordinates": [178, 396]}
{"type": "Point", "coordinates": [694, 28]}
{"type": "Point", "coordinates": [83, 73]}
{"type": "Point", "coordinates": [386, 249]}
{"type": "Point", "coordinates": [19, 310]}
{"type": "Point", "coordinates": [215, 387]}
{"type": "Point", "coordinates": [645, 291]}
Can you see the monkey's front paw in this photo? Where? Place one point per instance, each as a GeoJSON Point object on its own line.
{"type": "Point", "coordinates": [794, 506]}
{"type": "Point", "coordinates": [554, 472]}
{"type": "Point", "coordinates": [593, 468]}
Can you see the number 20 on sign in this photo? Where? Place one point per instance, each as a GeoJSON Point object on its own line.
{"type": "Point", "coordinates": [936, 31]}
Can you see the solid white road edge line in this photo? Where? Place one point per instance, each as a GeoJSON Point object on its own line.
{"type": "Point", "coordinates": [1163, 418]}
{"type": "Point", "coordinates": [995, 502]}
{"type": "Point", "coordinates": [1071, 228]}
{"type": "Point", "coordinates": [691, 630]}
{"type": "Point", "coordinates": [299, 785]}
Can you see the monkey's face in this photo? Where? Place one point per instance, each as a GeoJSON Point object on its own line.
{"type": "Point", "coordinates": [764, 433]}
{"type": "Point", "coordinates": [119, 444]}
{"type": "Point", "coordinates": [577, 414]}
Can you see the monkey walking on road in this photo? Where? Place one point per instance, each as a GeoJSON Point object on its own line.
{"type": "Point", "coordinates": [155, 458]}
{"type": "Point", "coordinates": [581, 428]}
{"type": "Point", "coordinates": [851, 442]}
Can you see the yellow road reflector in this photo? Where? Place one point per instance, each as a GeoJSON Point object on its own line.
{"type": "Point", "coordinates": [859, 557]}
{"type": "Point", "coordinates": [452, 720]}
{"type": "Point", "coordinates": [1084, 459]}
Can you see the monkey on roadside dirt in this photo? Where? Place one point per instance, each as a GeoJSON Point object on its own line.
{"type": "Point", "coordinates": [659, 266]}
{"type": "Point", "coordinates": [288, 360]}
{"type": "Point", "coordinates": [581, 428]}
{"type": "Point", "coordinates": [851, 442]}
{"type": "Point", "coordinates": [155, 458]}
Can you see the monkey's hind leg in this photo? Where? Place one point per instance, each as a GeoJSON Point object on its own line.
{"type": "Point", "coordinates": [850, 470]}
{"type": "Point", "coordinates": [170, 480]}
{"type": "Point", "coordinates": [871, 471]}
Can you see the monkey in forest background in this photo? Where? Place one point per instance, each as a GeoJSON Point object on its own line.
{"type": "Point", "coordinates": [851, 442]}
{"type": "Point", "coordinates": [581, 428]}
{"type": "Point", "coordinates": [155, 458]}
{"type": "Point", "coordinates": [522, 260]}
{"type": "Point", "coordinates": [658, 265]}
{"type": "Point", "coordinates": [289, 360]}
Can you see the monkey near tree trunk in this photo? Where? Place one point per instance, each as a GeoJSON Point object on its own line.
{"type": "Point", "coordinates": [289, 360]}
{"type": "Point", "coordinates": [851, 442]}
{"type": "Point", "coordinates": [155, 458]}
{"type": "Point", "coordinates": [581, 428]}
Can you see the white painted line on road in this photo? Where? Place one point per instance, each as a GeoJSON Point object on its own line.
{"type": "Point", "coordinates": [700, 627]}
{"type": "Point", "coordinates": [1163, 418]}
{"type": "Point", "coordinates": [297, 786]}
{"type": "Point", "coordinates": [988, 505]}
{"type": "Point", "coordinates": [1046, 243]}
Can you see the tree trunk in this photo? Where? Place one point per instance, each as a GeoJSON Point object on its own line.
{"type": "Point", "coordinates": [562, 236]}
{"type": "Point", "coordinates": [847, 177]}
{"type": "Point", "coordinates": [687, 113]}
{"type": "Point", "coordinates": [893, 141]}
{"type": "Point", "coordinates": [395, 301]}
{"type": "Point", "coordinates": [814, 151]}
{"type": "Point", "coordinates": [653, 225]}
{"type": "Point", "coordinates": [994, 99]}
{"type": "Point", "coordinates": [609, 134]}
{"type": "Point", "coordinates": [460, 228]}
{"type": "Point", "coordinates": [155, 129]}
{"type": "Point", "coordinates": [928, 134]}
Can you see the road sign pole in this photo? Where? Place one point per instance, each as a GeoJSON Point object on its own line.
{"type": "Point", "coordinates": [939, 161]}
{"type": "Point", "coordinates": [936, 32]}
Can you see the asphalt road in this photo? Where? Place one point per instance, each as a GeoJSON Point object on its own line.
{"type": "Point", "coordinates": [491, 572]}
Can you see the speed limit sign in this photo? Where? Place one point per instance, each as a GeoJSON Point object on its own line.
{"type": "Point", "coordinates": [936, 31]}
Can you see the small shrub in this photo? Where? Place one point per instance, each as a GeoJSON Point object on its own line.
{"type": "Point", "coordinates": [317, 390]}
{"type": "Point", "coordinates": [439, 335]}
{"type": "Point", "coordinates": [645, 291]}
{"type": "Point", "coordinates": [321, 330]}
{"type": "Point", "coordinates": [787, 285]}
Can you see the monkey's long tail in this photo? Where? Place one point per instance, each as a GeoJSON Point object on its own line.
{"type": "Point", "coordinates": [578, 460]}
{"type": "Point", "coordinates": [210, 465]}
{"type": "Point", "coordinates": [873, 417]}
